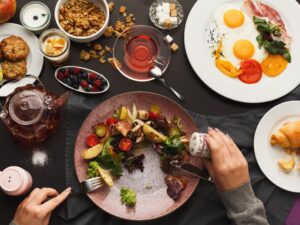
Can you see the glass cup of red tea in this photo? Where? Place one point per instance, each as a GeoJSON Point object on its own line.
{"type": "Point", "coordinates": [139, 49]}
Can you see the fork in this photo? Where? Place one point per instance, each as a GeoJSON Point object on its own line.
{"type": "Point", "coordinates": [91, 184]}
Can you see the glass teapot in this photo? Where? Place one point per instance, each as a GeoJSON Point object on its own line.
{"type": "Point", "coordinates": [31, 113]}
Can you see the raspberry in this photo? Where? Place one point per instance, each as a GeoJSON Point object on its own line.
{"type": "Point", "coordinates": [97, 83]}
{"type": "Point", "coordinates": [76, 70]}
{"type": "Point", "coordinates": [95, 88]}
{"type": "Point", "coordinates": [66, 73]}
{"type": "Point", "coordinates": [84, 84]}
{"type": "Point", "coordinates": [92, 76]}
{"type": "Point", "coordinates": [91, 140]}
{"type": "Point", "coordinates": [60, 76]}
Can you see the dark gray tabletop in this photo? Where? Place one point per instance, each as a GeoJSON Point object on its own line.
{"type": "Point", "coordinates": [199, 98]}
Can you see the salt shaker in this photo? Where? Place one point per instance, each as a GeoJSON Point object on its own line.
{"type": "Point", "coordinates": [198, 145]}
{"type": "Point", "coordinates": [15, 181]}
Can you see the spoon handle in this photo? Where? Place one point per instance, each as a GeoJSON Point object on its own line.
{"type": "Point", "coordinates": [179, 96]}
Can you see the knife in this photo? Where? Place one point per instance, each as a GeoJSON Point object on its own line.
{"type": "Point", "coordinates": [191, 169]}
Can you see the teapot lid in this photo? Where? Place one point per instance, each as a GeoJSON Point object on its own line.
{"type": "Point", "coordinates": [26, 107]}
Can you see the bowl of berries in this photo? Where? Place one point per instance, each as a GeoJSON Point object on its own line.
{"type": "Point", "coordinates": [82, 80]}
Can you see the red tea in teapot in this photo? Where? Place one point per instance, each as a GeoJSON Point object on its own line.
{"type": "Point", "coordinates": [31, 113]}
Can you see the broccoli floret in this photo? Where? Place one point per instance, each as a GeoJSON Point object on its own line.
{"type": "Point", "coordinates": [92, 170]}
{"type": "Point", "coordinates": [128, 197]}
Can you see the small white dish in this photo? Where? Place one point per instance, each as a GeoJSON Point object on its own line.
{"type": "Point", "coordinates": [155, 19]}
{"type": "Point", "coordinates": [84, 39]}
{"type": "Point", "coordinates": [267, 156]}
{"type": "Point", "coordinates": [80, 89]}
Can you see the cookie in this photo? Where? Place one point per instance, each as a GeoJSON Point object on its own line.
{"type": "Point", "coordinates": [14, 48]}
{"type": "Point", "coordinates": [12, 70]}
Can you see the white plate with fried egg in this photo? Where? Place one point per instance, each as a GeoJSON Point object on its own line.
{"type": "Point", "coordinates": [222, 34]}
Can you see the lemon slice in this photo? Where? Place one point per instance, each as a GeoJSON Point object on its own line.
{"type": "Point", "coordinates": [1, 75]}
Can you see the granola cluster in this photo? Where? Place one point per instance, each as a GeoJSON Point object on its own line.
{"type": "Point", "coordinates": [96, 52]}
{"type": "Point", "coordinates": [81, 17]}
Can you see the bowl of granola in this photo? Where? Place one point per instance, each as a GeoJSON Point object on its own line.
{"type": "Point", "coordinates": [82, 20]}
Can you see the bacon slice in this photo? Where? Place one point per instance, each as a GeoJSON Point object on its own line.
{"type": "Point", "coordinates": [260, 9]}
{"type": "Point", "coordinates": [251, 9]}
{"type": "Point", "coordinates": [272, 14]}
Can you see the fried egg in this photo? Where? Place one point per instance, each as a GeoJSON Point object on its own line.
{"type": "Point", "coordinates": [241, 48]}
{"type": "Point", "coordinates": [231, 20]}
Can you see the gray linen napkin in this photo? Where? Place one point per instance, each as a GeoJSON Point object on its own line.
{"type": "Point", "coordinates": [204, 207]}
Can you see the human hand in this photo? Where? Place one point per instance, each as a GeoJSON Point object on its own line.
{"type": "Point", "coordinates": [36, 210]}
{"type": "Point", "coordinates": [228, 167]}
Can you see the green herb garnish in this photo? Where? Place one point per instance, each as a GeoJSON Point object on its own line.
{"type": "Point", "coordinates": [267, 38]}
{"type": "Point", "coordinates": [128, 197]}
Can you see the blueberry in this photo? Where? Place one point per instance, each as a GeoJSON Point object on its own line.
{"type": "Point", "coordinates": [76, 86]}
{"type": "Point", "coordinates": [65, 80]}
{"type": "Point", "coordinates": [85, 75]}
{"type": "Point", "coordinates": [69, 82]}
{"type": "Point", "coordinates": [62, 70]}
{"type": "Point", "coordinates": [90, 81]}
{"type": "Point", "coordinates": [79, 75]}
{"type": "Point", "coordinates": [88, 89]}
{"type": "Point", "coordinates": [79, 80]}
{"type": "Point", "coordinates": [102, 87]}
{"type": "Point", "coordinates": [76, 80]}
{"type": "Point", "coordinates": [104, 83]}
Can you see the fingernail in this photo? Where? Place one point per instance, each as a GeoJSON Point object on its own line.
{"type": "Point", "coordinates": [217, 130]}
{"type": "Point", "coordinates": [69, 189]}
{"type": "Point", "coordinates": [209, 129]}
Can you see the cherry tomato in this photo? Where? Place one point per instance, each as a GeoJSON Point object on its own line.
{"type": "Point", "coordinates": [111, 121]}
{"type": "Point", "coordinates": [125, 145]}
{"type": "Point", "coordinates": [91, 140]}
{"type": "Point", "coordinates": [153, 115]}
{"type": "Point", "coordinates": [251, 71]}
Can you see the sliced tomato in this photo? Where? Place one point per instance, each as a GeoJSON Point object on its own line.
{"type": "Point", "coordinates": [153, 115]}
{"type": "Point", "coordinates": [125, 145]}
{"type": "Point", "coordinates": [251, 71]}
{"type": "Point", "coordinates": [111, 121]}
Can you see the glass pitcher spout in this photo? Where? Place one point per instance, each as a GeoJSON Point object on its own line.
{"type": "Point", "coordinates": [55, 103]}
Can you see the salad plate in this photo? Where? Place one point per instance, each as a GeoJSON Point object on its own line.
{"type": "Point", "coordinates": [205, 26]}
{"type": "Point", "coordinates": [148, 182]}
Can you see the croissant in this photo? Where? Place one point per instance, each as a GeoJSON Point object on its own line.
{"type": "Point", "coordinates": [288, 136]}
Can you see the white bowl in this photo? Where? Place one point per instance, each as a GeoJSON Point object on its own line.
{"type": "Point", "coordinates": [84, 39]}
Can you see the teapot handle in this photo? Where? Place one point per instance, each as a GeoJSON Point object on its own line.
{"type": "Point", "coordinates": [18, 79]}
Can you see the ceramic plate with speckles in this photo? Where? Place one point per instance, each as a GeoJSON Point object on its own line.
{"type": "Point", "coordinates": [152, 199]}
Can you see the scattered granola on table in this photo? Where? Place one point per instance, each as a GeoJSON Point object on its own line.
{"type": "Point", "coordinates": [81, 17]}
{"type": "Point", "coordinates": [111, 6]}
{"type": "Point", "coordinates": [122, 9]}
{"type": "Point", "coordinates": [109, 31]}
{"type": "Point", "coordinates": [85, 55]}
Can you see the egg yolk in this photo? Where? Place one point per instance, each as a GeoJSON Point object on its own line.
{"type": "Point", "coordinates": [234, 18]}
{"type": "Point", "coordinates": [243, 49]}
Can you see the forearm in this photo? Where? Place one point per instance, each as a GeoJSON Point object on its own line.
{"type": "Point", "coordinates": [243, 208]}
